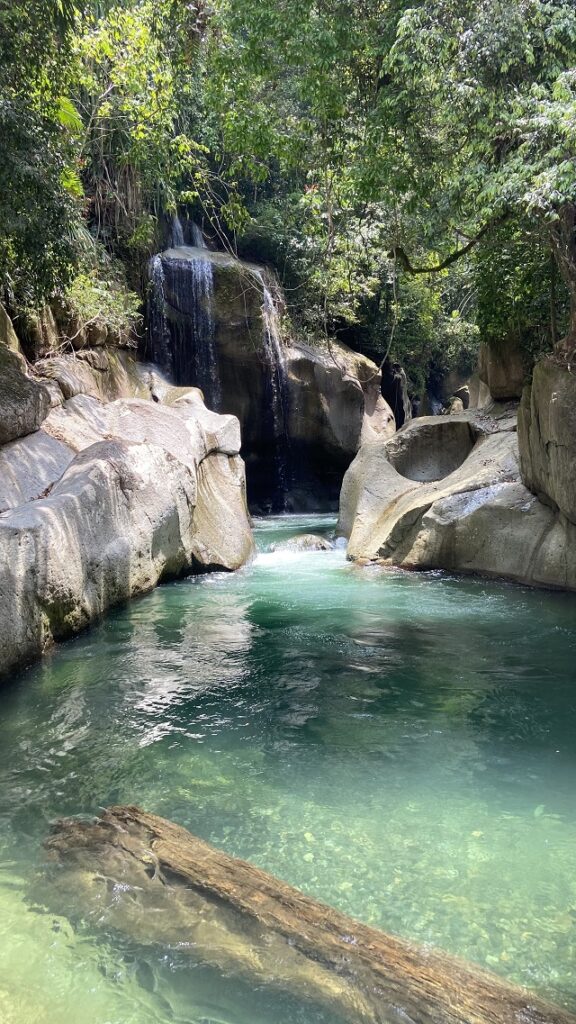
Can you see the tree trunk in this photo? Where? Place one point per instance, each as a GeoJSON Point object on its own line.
{"type": "Point", "coordinates": [151, 880]}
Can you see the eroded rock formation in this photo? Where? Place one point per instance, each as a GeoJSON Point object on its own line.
{"type": "Point", "coordinates": [100, 501]}
{"type": "Point", "coordinates": [547, 435]}
{"type": "Point", "coordinates": [504, 368]}
{"type": "Point", "coordinates": [24, 403]}
{"type": "Point", "coordinates": [446, 493]}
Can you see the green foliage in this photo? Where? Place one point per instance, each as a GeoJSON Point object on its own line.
{"type": "Point", "coordinates": [342, 140]}
{"type": "Point", "coordinates": [134, 87]}
{"type": "Point", "coordinates": [518, 291]}
{"type": "Point", "coordinates": [439, 120]}
{"type": "Point", "coordinates": [103, 300]}
{"type": "Point", "coordinates": [37, 207]}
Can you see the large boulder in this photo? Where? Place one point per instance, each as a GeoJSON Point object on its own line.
{"type": "Point", "coordinates": [478, 517]}
{"type": "Point", "coordinates": [390, 485]}
{"type": "Point", "coordinates": [105, 533]}
{"type": "Point", "coordinates": [503, 368]}
{"type": "Point", "coordinates": [214, 322]}
{"type": "Point", "coordinates": [24, 403]}
{"type": "Point", "coordinates": [30, 466]}
{"type": "Point", "coordinates": [547, 436]}
{"type": "Point", "coordinates": [127, 494]}
{"type": "Point", "coordinates": [499, 530]}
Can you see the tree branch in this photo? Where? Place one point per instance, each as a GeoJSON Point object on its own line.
{"type": "Point", "coordinates": [400, 254]}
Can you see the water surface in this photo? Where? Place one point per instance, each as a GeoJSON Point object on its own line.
{"type": "Point", "coordinates": [401, 746]}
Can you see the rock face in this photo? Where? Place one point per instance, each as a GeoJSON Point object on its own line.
{"type": "Point", "coordinates": [127, 494]}
{"type": "Point", "coordinates": [503, 369]}
{"type": "Point", "coordinates": [466, 512]}
{"type": "Point", "coordinates": [395, 392]}
{"type": "Point", "coordinates": [8, 336]}
{"type": "Point", "coordinates": [104, 373]}
{"type": "Point", "coordinates": [547, 436]}
{"type": "Point", "coordinates": [304, 411]}
{"type": "Point", "coordinates": [24, 403]}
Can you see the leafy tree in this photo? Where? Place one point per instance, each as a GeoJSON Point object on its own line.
{"type": "Point", "coordinates": [494, 89]}
{"type": "Point", "coordinates": [449, 117]}
{"type": "Point", "coordinates": [135, 91]}
{"type": "Point", "coordinates": [37, 211]}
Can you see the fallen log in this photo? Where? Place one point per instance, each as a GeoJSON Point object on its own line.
{"type": "Point", "coordinates": [151, 880]}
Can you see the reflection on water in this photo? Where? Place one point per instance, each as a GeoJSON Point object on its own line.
{"type": "Point", "coordinates": [400, 746]}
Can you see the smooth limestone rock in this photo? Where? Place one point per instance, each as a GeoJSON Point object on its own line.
{"type": "Point", "coordinates": [147, 492]}
{"type": "Point", "coordinates": [30, 466]}
{"type": "Point", "coordinates": [479, 517]}
{"type": "Point", "coordinates": [547, 436]}
{"type": "Point", "coordinates": [24, 403]}
{"type": "Point", "coordinates": [304, 542]}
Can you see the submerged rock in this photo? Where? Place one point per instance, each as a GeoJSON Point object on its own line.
{"type": "Point", "coordinates": [446, 493]}
{"type": "Point", "coordinates": [304, 542]}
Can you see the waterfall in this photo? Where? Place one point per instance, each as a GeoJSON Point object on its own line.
{"type": "Point", "coordinates": [177, 233]}
{"type": "Point", "coordinates": [181, 326]}
{"type": "Point", "coordinates": [279, 392]}
{"type": "Point", "coordinates": [178, 238]}
{"type": "Point", "coordinates": [198, 237]}
{"type": "Point", "coordinates": [199, 306]}
{"type": "Point", "coordinates": [159, 341]}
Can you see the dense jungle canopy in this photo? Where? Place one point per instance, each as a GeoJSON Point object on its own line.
{"type": "Point", "coordinates": [409, 168]}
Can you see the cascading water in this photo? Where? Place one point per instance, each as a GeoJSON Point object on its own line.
{"type": "Point", "coordinates": [279, 392]}
{"type": "Point", "coordinates": [198, 238]}
{"type": "Point", "coordinates": [159, 340]}
{"type": "Point", "coordinates": [177, 233]}
{"type": "Point", "coordinates": [181, 328]}
{"type": "Point", "coordinates": [200, 273]}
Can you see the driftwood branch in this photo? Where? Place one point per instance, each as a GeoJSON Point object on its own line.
{"type": "Point", "coordinates": [146, 878]}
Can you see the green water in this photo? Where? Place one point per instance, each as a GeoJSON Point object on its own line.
{"type": "Point", "coordinates": [400, 746]}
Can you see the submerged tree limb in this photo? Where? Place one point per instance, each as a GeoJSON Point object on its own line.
{"type": "Point", "coordinates": [151, 880]}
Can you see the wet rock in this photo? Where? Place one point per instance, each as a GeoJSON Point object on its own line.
{"type": "Point", "coordinates": [304, 542]}
{"type": "Point", "coordinates": [395, 392]}
{"type": "Point", "coordinates": [215, 322]}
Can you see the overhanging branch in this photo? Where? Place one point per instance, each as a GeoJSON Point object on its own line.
{"type": "Point", "coordinates": [400, 254]}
